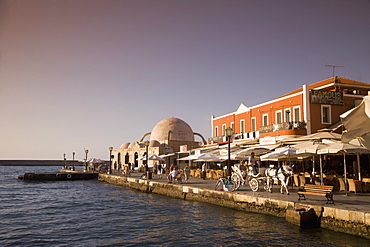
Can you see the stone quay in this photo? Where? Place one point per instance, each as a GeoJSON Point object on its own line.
{"type": "Point", "coordinates": [349, 214]}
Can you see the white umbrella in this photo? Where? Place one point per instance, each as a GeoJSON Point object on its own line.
{"type": "Point", "coordinates": [234, 157]}
{"type": "Point", "coordinates": [95, 160]}
{"type": "Point", "coordinates": [155, 157]}
{"type": "Point", "coordinates": [344, 148]}
{"type": "Point", "coordinates": [279, 154]}
{"type": "Point", "coordinates": [311, 148]}
{"type": "Point", "coordinates": [257, 150]}
{"type": "Point", "coordinates": [357, 122]}
{"type": "Point", "coordinates": [190, 157]}
{"type": "Point", "coordinates": [208, 157]}
{"type": "Point", "coordinates": [341, 147]}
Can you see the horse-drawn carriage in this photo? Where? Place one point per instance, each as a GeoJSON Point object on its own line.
{"type": "Point", "coordinates": [265, 177]}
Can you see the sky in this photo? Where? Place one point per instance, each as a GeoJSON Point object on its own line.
{"type": "Point", "coordinates": [90, 74]}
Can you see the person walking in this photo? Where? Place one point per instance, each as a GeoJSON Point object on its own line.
{"type": "Point", "coordinates": [159, 170]}
{"type": "Point", "coordinates": [187, 172]}
{"type": "Point", "coordinates": [204, 170]}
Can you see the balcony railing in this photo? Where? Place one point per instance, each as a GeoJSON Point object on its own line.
{"type": "Point", "coordinates": [283, 126]}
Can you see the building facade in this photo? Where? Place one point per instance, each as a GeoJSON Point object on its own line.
{"type": "Point", "coordinates": [303, 111]}
{"type": "Point", "coordinates": [168, 138]}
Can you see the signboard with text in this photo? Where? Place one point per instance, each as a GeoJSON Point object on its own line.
{"type": "Point", "coordinates": [326, 97]}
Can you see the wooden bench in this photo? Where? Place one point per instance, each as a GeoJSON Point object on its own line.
{"type": "Point", "coordinates": [316, 190]}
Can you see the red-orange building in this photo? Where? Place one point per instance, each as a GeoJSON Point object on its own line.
{"type": "Point", "coordinates": [300, 112]}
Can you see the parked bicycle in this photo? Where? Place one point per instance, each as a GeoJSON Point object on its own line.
{"type": "Point", "coordinates": [225, 184]}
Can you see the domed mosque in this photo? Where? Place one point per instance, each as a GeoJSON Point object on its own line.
{"type": "Point", "coordinates": [168, 137]}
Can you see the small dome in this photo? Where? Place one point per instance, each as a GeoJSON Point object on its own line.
{"type": "Point", "coordinates": [154, 143]}
{"type": "Point", "coordinates": [173, 129]}
{"type": "Point", "coordinates": [132, 144]}
{"type": "Point", "coordinates": [125, 145]}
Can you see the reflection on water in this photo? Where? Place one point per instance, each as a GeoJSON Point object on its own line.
{"type": "Point", "coordinates": [92, 213]}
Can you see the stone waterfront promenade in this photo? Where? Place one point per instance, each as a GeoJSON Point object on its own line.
{"type": "Point", "coordinates": [349, 214]}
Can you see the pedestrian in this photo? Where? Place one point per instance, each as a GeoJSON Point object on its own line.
{"type": "Point", "coordinates": [126, 171]}
{"type": "Point", "coordinates": [253, 163]}
{"type": "Point", "coordinates": [159, 170]}
{"type": "Point", "coordinates": [187, 172]}
{"type": "Point", "coordinates": [204, 170]}
{"type": "Point", "coordinates": [173, 174]}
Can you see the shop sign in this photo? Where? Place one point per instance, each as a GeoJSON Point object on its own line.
{"type": "Point", "coordinates": [183, 148]}
{"type": "Point", "coordinates": [267, 140]}
{"type": "Point", "coordinates": [326, 97]}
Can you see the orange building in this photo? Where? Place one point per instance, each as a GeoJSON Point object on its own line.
{"type": "Point", "coordinates": [301, 112]}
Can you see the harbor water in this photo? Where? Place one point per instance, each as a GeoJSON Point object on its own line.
{"type": "Point", "coordinates": [93, 213]}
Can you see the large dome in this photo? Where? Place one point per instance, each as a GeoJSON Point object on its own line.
{"type": "Point", "coordinates": [172, 129]}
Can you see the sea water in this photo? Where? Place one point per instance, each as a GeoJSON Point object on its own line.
{"type": "Point", "coordinates": [93, 213]}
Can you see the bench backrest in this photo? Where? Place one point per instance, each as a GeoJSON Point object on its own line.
{"type": "Point", "coordinates": [318, 188]}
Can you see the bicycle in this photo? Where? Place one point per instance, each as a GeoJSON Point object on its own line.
{"type": "Point", "coordinates": [225, 184]}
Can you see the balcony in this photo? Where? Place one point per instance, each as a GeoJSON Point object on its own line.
{"type": "Point", "coordinates": [283, 126]}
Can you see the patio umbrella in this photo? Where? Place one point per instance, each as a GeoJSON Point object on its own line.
{"type": "Point", "coordinates": [344, 148]}
{"type": "Point", "coordinates": [234, 157]}
{"type": "Point", "coordinates": [311, 148]}
{"type": "Point", "coordinates": [257, 150]}
{"type": "Point", "coordinates": [155, 157]}
{"type": "Point", "coordinates": [208, 157]}
{"type": "Point", "coordinates": [95, 160]}
{"type": "Point", "coordinates": [357, 122]}
{"type": "Point", "coordinates": [190, 157]}
{"type": "Point", "coordinates": [280, 154]}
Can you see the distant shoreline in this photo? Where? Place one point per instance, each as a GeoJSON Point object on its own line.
{"type": "Point", "coordinates": [39, 163]}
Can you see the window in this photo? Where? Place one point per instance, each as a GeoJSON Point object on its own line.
{"type": "Point", "coordinates": [287, 115]}
{"type": "Point", "coordinates": [253, 124]}
{"type": "Point", "coordinates": [242, 126]}
{"type": "Point", "coordinates": [326, 114]}
{"type": "Point", "coordinates": [279, 117]}
{"type": "Point", "coordinates": [216, 131]}
{"type": "Point", "coordinates": [224, 129]}
{"type": "Point", "coordinates": [296, 114]}
{"type": "Point", "coordinates": [265, 118]}
{"type": "Point", "coordinates": [232, 126]}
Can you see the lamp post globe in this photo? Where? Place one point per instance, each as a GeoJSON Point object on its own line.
{"type": "Point", "coordinates": [229, 133]}
{"type": "Point", "coordinates": [110, 160]}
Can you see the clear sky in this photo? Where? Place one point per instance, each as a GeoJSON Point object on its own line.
{"type": "Point", "coordinates": [78, 74]}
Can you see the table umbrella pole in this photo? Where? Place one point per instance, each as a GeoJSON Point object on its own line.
{"type": "Point", "coordinates": [345, 174]}
{"type": "Point", "coordinates": [321, 178]}
{"type": "Point", "coordinates": [359, 166]}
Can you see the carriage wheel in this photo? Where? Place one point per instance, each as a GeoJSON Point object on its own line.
{"type": "Point", "coordinates": [236, 180]}
{"type": "Point", "coordinates": [219, 186]}
{"type": "Point", "coordinates": [253, 183]}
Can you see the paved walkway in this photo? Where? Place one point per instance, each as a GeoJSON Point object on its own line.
{"type": "Point", "coordinates": [351, 201]}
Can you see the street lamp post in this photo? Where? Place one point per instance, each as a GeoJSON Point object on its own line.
{"type": "Point", "coordinates": [65, 160]}
{"type": "Point", "coordinates": [110, 160]}
{"type": "Point", "coordinates": [86, 151]}
{"type": "Point", "coordinates": [146, 143]}
{"type": "Point", "coordinates": [229, 133]}
{"type": "Point", "coordinates": [73, 162]}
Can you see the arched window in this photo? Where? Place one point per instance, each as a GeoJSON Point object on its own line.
{"type": "Point", "coordinates": [119, 158]}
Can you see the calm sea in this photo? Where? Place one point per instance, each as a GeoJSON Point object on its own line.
{"type": "Point", "coordinates": [92, 213]}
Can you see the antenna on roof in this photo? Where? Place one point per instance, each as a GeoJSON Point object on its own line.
{"type": "Point", "coordinates": [332, 66]}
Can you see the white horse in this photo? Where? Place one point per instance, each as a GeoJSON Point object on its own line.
{"type": "Point", "coordinates": [282, 174]}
